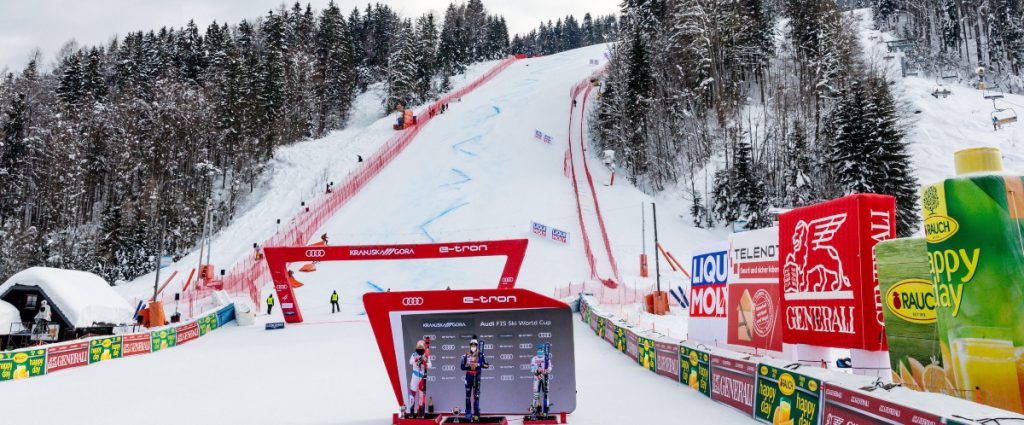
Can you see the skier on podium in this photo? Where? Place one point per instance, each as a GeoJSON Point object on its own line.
{"type": "Point", "coordinates": [541, 367]}
{"type": "Point", "coordinates": [472, 363]}
{"type": "Point", "coordinates": [420, 363]}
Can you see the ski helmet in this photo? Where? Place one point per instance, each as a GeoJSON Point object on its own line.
{"type": "Point", "coordinates": [540, 349]}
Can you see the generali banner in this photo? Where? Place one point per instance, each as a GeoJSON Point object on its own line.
{"type": "Point", "coordinates": [67, 356]}
{"type": "Point", "coordinates": [708, 294]}
{"type": "Point", "coordinates": [668, 359]}
{"type": "Point", "coordinates": [830, 291]}
{"type": "Point", "coordinates": [753, 290]}
{"type": "Point", "coordinates": [732, 383]}
{"type": "Point", "coordinates": [851, 407]}
{"type": "Point", "coordinates": [134, 344]}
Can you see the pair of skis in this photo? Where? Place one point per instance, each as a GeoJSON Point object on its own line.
{"type": "Point", "coordinates": [426, 371]}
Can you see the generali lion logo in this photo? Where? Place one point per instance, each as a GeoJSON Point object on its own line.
{"type": "Point", "coordinates": [826, 279]}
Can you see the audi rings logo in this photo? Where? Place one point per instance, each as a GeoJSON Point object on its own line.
{"type": "Point", "coordinates": [448, 347]}
{"type": "Point", "coordinates": [316, 253]}
{"type": "Point", "coordinates": [448, 368]}
{"type": "Point", "coordinates": [412, 301]}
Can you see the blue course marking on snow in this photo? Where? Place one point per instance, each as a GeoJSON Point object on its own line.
{"type": "Point", "coordinates": [465, 178]}
{"type": "Point", "coordinates": [423, 227]}
{"type": "Point", "coordinates": [458, 146]}
{"type": "Point", "coordinates": [497, 111]}
{"type": "Point", "coordinates": [375, 287]}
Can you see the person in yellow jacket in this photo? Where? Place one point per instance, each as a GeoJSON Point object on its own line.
{"type": "Point", "coordinates": [334, 303]}
{"type": "Point", "coordinates": [270, 304]}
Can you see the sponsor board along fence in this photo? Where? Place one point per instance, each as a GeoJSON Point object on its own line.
{"type": "Point", "coordinates": [771, 391]}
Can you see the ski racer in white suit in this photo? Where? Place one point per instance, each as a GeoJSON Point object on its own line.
{"type": "Point", "coordinates": [420, 363]}
{"type": "Point", "coordinates": [539, 372]}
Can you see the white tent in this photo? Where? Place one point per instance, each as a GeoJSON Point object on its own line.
{"type": "Point", "coordinates": [84, 298]}
{"type": "Point", "coordinates": [8, 316]}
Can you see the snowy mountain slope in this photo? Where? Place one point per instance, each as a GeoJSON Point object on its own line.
{"type": "Point", "coordinates": [298, 174]}
{"type": "Point", "coordinates": [475, 172]}
{"type": "Point", "coordinates": [942, 126]}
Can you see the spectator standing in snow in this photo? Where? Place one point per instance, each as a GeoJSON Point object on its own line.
{"type": "Point", "coordinates": [334, 302]}
{"type": "Point", "coordinates": [43, 317]}
{"type": "Point", "coordinates": [270, 304]}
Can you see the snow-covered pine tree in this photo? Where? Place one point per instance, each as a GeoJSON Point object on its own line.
{"type": "Point", "coordinates": [426, 55]}
{"type": "Point", "coordinates": [335, 69]}
{"type": "Point", "coordinates": [451, 52]}
{"type": "Point", "coordinates": [798, 169]}
{"type": "Point", "coordinates": [401, 81]}
{"type": "Point", "coordinates": [893, 169]}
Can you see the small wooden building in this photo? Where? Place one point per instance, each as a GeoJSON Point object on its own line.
{"type": "Point", "coordinates": [81, 304]}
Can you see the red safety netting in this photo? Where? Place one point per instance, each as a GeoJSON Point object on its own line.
{"type": "Point", "coordinates": [587, 85]}
{"type": "Point", "coordinates": [246, 277]}
{"type": "Point", "coordinates": [621, 294]}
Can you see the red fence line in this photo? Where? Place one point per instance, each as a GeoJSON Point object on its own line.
{"type": "Point", "coordinates": [247, 276]}
{"type": "Point", "coordinates": [576, 190]}
{"type": "Point", "coordinates": [590, 181]}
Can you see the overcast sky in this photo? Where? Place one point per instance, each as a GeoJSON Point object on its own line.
{"type": "Point", "coordinates": [47, 24]}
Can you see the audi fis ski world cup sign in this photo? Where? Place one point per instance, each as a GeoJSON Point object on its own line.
{"type": "Point", "coordinates": [509, 323]}
{"type": "Point", "coordinates": [278, 259]}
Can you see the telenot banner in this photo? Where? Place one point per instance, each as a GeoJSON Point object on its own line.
{"type": "Point", "coordinates": [708, 294]}
{"type": "Point", "coordinates": [753, 300]}
{"type": "Point", "coordinates": [830, 291]}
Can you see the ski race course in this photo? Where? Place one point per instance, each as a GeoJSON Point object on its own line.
{"type": "Point", "coordinates": [474, 173]}
{"type": "Point", "coordinates": [510, 154]}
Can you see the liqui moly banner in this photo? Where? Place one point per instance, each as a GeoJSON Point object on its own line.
{"type": "Point", "coordinates": [547, 232]}
{"type": "Point", "coordinates": [135, 344]}
{"type": "Point", "coordinates": [67, 356]}
{"type": "Point", "coordinates": [753, 300]}
{"type": "Point", "coordinates": [845, 406]}
{"type": "Point", "coordinates": [732, 383]}
{"type": "Point", "coordinates": [708, 295]}
{"type": "Point", "coordinates": [830, 290]}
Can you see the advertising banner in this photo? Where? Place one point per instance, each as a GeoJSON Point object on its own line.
{"type": "Point", "coordinates": [225, 315]}
{"type": "Point", "coordinates": [620, 338]}
{"type": "Point", "coordinates": [708, 293]}
{"type": "Point", "coordinates": [135, 344]}
{"type": "Point", "coordinates": [509, 323]}
{"type": "Point", "coordinates": [67, 356]}
{"type": "Point", "coordinates": [22, 364]}
{"type": "Point", "coordinates": [973, 227]}
{"type": "Point", "coordinates": [784, 397]}
{"type": "Point", "coordinates": [667, 359]}
{"type": "Point", "coordinates": [187, 332]}
{"type": "Point", "coordinates": [610, 333]}
{"type": "Point", "coordinates": [105, 349]}
{"type": "Point", "coordinates": [695, 369]}
{"type": "Point", "coordinates": [910, 318]}
{"type": "Point", "coordinates": [753, 300]}
{"type": "Point", "coordinates": [732, 383]}
{"type": "Point", "coordinates": [163, 338]}
{"type": "Point", "coordinates": [632, 345]}
{"type": "Point", "coordinates": [647, 357]}
{"type": "Point", "coordinates": [508, 343]}
{"type": "Point", "coordinates": [845, 406]}
{"type": "Point", "coordinates": [539, 229]}
{"type": "Point", "coordinates": [830, 292]}
{"type": "Point", "coordinates": [600, 327]}
{"type": "Point", "coordinates": [207, 324]}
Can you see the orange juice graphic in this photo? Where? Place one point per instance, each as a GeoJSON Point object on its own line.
{"type": "Point", "coordinates": [973, 227]}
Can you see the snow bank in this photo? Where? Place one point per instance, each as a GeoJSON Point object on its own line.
{"type": "Point", "coordinates": [84, 298]}
{"type": "Point", "coordinates": [8, 316]}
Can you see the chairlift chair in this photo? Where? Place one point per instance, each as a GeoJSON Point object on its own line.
{"type": "Point", "coordinates": [1003, 116]}
{"type": "Point", "coordinates": [992, 92]}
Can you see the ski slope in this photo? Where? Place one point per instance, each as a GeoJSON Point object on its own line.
{"type": "Point", "coordinates": [473, 173]}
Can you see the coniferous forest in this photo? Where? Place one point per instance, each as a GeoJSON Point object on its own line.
{"type": "Point", "coordinates": [743, 106]}
{"type": "Point", "coordinates": [121, 144]}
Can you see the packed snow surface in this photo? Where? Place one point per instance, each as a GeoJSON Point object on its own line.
{"type": "Point", "coordinates": [8, 316]}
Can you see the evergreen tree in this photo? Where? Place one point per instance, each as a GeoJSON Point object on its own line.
{"type": "Point", "coordinates": [452, 50]}
{"type": "Point", "coordinates": [402, 81]}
